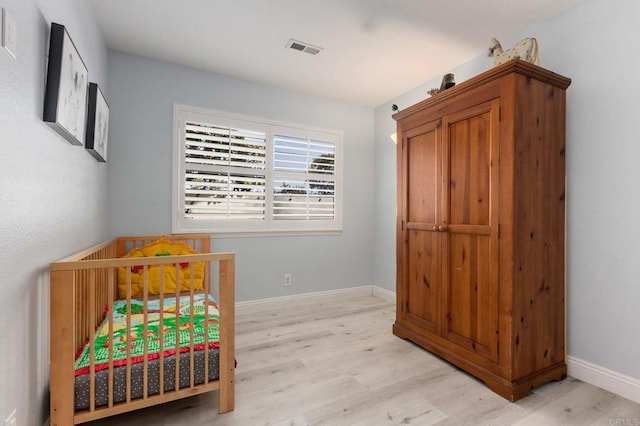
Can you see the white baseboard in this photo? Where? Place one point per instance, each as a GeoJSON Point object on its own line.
{"type": "Point", "coordinates": [384, 294]}
{"type": "Point", "coordinates": [320, 296]}
{"type": "Point", "coordinates": [625, 386]}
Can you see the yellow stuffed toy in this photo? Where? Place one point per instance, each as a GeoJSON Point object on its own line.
{"type": "Point", "coordinates": [161, 247]}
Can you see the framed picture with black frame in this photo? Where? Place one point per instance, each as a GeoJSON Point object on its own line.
{"type": "Point", "coordinates": [97, 124]}
{"type": "Point", "coordinates": [65, 98]}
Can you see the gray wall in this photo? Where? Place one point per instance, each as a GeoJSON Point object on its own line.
{"type": "Point", "coordinates": [52, 197]}
{"type": "Point", "coordinates": [593, 45]}
{"type": "Point", "coordinates": [140, 172]}
{"type": "Point", "coordinates": [603, 176]}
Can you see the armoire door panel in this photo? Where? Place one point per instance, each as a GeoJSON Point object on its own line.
{"type": "Point", "coordinates": [423, 168]}
{"type": "Point", "coordinates": [471, 295]}
{"type": "Point", "coordinates": [469, 170]}
{"type": "Point", "coordinates": [423, 279]}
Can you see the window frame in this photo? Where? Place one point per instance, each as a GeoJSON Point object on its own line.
{"type": "Point", "coordinates": [262, 227]}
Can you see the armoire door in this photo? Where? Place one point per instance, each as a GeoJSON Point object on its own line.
{"type": "Point", "coordinates": [470, 219]}
{"type": "Point", "coordinates": [422, 258]}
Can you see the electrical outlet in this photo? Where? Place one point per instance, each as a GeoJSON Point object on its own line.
{"type": "Point", "coordinates": [12, 420]}
{"type": "Point", "coordinates": [287, 280]}
{"type": "Point", "coordinates": [9, 33]}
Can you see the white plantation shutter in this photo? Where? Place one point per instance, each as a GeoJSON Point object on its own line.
{"type": "Point", "coordinates": [245, 175]}
{"type": "Point", "coordinates": [224, 172]}
{"type": "Point", "coordinates": [304, 179]}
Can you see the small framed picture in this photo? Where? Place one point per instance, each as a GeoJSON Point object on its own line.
{"type": "Point", "coordinates": [97, 124]}
{"type": "Point", "coordinates": [65, 98]}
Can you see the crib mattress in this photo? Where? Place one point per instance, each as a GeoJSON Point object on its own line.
{"type": "Point", "coordinates": [136, 330]}
{"type": "Point", "coordinates": [82, 383]}
{"type": "Point", "coordinates": [135, 333]}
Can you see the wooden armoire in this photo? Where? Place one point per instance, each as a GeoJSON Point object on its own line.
{"type": "Point", "coordinates": [481, 226]}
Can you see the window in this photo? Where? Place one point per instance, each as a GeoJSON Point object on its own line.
{"type": "Point", "coordinates": [235, 174]}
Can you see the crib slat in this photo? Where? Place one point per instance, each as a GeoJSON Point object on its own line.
{"type": "Point", "coordinates": [206, 324]}
{"type": "Point", "coordinates": [110, 388]}
{"type": "Point", "coordinates": [127, 336]}
{"type": "Point", "coordinates": [145, 352]}
{"type": "Point", "coordinates": [92, 350]}
{"type": "Point", "coordinates": [161, 330]}
{"type": "Point", "coordinates": [177, 312]}
{"type": "Point", "coordinates": [191, 329]}
{"type": "Point", "coordinates": [80, 332]}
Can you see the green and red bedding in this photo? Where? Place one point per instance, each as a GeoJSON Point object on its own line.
{"type": "Point", "coordinates": [129, 335]}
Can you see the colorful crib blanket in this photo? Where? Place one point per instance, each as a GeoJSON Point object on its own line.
{"type": "Point", "coordinates": [134, 339]}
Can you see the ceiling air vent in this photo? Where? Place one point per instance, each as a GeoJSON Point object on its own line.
{"type": "Point", "coordinates": [303, 47]}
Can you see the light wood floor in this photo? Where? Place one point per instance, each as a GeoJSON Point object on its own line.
{"type": "Point", "coordinates": [339, 364]}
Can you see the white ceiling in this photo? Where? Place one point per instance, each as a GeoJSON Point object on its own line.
{"type": "Point", "coordinates": [373, 50]}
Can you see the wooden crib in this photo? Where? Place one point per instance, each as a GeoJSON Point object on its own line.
{"type": "Point", "coordinates": [84, 294]}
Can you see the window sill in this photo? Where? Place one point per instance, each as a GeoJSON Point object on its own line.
{"type": "Point", "coordinates": [266, 233]}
